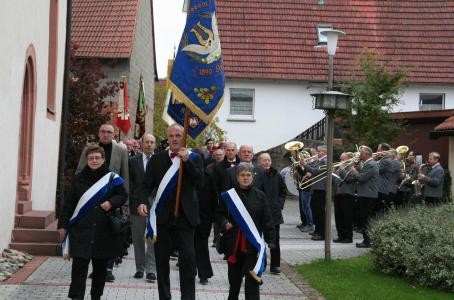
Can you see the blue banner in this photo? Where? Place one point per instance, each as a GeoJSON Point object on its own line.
{"type": "Point", "coordinates": [197, 78]}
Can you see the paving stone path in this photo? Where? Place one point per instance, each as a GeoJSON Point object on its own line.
{"type": "Point", "coordinates": [49, 277]}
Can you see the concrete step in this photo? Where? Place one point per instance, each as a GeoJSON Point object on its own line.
{"type": "Point", "coordinates": [46, 249]}
{"type": "Point", "coordinates": [23, 207]}
{"type": "Point", "coordinates": [49, 234]}
{"type": "Point", "coordinates": [38, 219]}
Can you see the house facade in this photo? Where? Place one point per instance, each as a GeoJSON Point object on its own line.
{"type": "Point", "coordinates": [274, 59]}
{"type": "Point", "coordinates": [121, 35]}
{"type": "Point", "coordinates": [31, 89]}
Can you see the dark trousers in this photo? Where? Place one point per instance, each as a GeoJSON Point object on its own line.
{"type": "Point", "coordinates": [381, 204]}
{"type": "Point", "coordinates": [318, 211]}
{"type": "Point", "coordinates": [343, 215]}
{"type": "Point", "coordinates": [366, 212]}
{"type": "Point", "coordinates": [301, 207]}
{"type": "Point", "coordinates": [182, 236]}
{"type": "Point", "coordinates": [245, 262]}
{"type": "Point", "coordinates": [276, 252]}
{"type": "Point", "coordinates": [432, 201]}
{"type": "Point", "coordinates": [202, 254]}
{"type": "Point", "coordinates": [79, 273]}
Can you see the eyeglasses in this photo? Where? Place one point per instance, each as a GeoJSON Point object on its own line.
{"type": "Point", "coordinates": [91, 158]}
{"type": "Point", "coordinates": [106, 131]}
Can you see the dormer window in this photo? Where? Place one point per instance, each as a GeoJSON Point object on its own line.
{"type": "Point", "coordinates": [323, 39]}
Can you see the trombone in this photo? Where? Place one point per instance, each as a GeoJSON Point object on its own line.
{"type": "Point", "coordinates": [321, 176]}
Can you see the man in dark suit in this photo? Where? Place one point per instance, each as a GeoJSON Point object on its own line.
{"type": "Point", "coordinates": [433, 181]}
{"type": "Point", "coordinates": [180, 228]}
{"type": "Point", "coordinates": [367, 190]}
{"type": "Point", "coordinates": [145, 261]}
{"type": "Point", "coordinates": [246, 154]}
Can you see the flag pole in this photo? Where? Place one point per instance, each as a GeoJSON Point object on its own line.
{"type": "Point", "coordinates": [180, 170]}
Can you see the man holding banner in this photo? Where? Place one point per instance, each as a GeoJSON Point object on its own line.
{"type": "Point", "coordinates": [162, 225]}
{"type": "Point", "coordinates": [244, 215]}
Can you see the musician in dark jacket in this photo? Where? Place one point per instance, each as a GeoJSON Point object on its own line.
{"type": "Point", "coordinates": [433, 181]}
{"type": "Point", "coordinates": [275, 191]}
{"type": "Point", "coordinates": [91, 237]}
{"type": "Point", "coordinates": [241, 254]}
{"type": "Point", "coordinates": [366, 176]}
{"type": "Point", "coordinates": [181, 228]}
{"type": "Point", "coordinates": [318, 189]}
{"type": "Point", "coordinates": [344, 200]}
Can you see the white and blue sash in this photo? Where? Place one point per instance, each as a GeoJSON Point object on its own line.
{"type": "Point", "coordinates": [87, 201]}
{"type": "Point", "coordinates": [243, 219]}
{"type": "Point", "coordinates": [165, 188]}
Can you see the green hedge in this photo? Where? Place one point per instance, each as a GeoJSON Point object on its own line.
{"type": "Point", "coordinates": [417, 243]}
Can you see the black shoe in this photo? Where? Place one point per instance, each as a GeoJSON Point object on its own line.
{"type": "Point", "coordinates": [110, 277]}
{"type": "Point", "coordinates": [177, 264]}
{"type": "Point", "coordinates": [138, 275]}
{"type": "Point", "coordinates": [317, 237]}
{"type": "Point", "coordinates": [174, 255]}
{"type": "Point", "coordinates": [338, 240]}
{"type": "Point", "coordinates": [77, 298]}
{"type": "Point", "coordinates": [151, 277]}
{"type": "Point", "coordinates": [300, 226]}
{"type": "Point", "coordinates": [347, 241]}
{"type": "Point", "coordinates": [275, 271]}
{"type": "Point", "coordinates": [362, 245]}
{"type": "Point", "coordinates": [203, 281]}
{"type": "Point", "coordinates": [312, 233]}
{"type": "Point", "coordinates": [95, 298]}
{"type": "Point", "coordinates": [90, 276]}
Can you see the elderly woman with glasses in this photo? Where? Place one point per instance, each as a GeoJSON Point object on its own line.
{"type": "Point", "coordinates": [85, 226]}
{"type": "Point", "coordinates": [240, 252]}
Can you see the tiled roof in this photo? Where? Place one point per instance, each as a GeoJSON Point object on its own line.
{"type": "Point", "coordinates": [275, 39]}
{"type": "Point", "coordinates": [447, 124]}
{"type": "Point", "coordinates": [104, 28]}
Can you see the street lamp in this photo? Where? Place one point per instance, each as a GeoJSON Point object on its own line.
{"type": "Point", "coordinates": [330, 101]}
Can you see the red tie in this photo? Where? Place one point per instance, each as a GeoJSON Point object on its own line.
{"type": "Point", "coordinates": [173, 154]}
{"type": "Point", "coordinates": [240, 242]}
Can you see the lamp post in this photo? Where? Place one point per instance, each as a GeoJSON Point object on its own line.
{"type": "Point", "coordinates": [330, 101]}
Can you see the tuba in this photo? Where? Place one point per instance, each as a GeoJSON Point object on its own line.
{"type": "Point", "coordinates": [296, 154]}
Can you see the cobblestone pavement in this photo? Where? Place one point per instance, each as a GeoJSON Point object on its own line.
{"type": "Point", "coordinates": [50, 278]}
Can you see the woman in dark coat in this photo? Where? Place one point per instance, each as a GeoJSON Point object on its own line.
{"type": "Point", "coordinates": [90, 235]}
{"type": "Point", "coordinates": [242, 258]}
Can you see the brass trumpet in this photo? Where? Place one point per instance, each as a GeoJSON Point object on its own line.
{"type": "Point", "coordinates": [321, 176]}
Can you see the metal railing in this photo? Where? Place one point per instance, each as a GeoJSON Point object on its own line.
{"type": "Point", "coordinates": [315, 132]}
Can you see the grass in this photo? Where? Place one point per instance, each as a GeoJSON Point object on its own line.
{"type": "Point", "coordinates": [356, 278]}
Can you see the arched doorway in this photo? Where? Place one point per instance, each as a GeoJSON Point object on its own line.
{"type": "Point", "coordinates": [27, 126]}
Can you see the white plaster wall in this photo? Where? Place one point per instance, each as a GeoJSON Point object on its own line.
{"type": "Point", "coordinates": [25, 22]}
{"type": "Point", "coordinates": [410, 96]}
{"type": "Point", "coordinates": [282, 110]}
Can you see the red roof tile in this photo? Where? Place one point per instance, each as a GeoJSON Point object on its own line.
{"type": "Point", "coordinates": [275, 39]}
{"type": "Point", "coordinates": [447, 124]}
{"type": "Point", "coordinates": [104, 28]}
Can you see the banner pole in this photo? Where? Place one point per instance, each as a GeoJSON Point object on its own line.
{"type": "Point", "coordinates": [180, 170]}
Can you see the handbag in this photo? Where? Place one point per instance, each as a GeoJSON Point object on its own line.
{"type": "Point", "coordinates": [119, 221]}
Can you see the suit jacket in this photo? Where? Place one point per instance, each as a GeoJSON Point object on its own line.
{"type": "Point", "coordinates": [221, 175]}
{"type": "Point", "coordinates": [315, 170]}
{"type": "Point", "coordinates": [275, 191]}
{"type": "Point", "coordinates": [395, 175]}
{"type": "Point", "coordinates": [433, 182]}
{"type": "Point", "coordinates": [367, 179]}
{"type": "Point", "coordinates": [118, 162]}
{"type": "Point", "coordinates": [136, 175]}
{"type": "Point", "coordinates": [385, 167]}
{"type": "Point", "coordinates": [193, 177]}
{"type": "Point", "coordinates": [347, 184]}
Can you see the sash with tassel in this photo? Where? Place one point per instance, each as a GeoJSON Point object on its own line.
{"type": "Point", "coordinates": [165, 188]}
{"type": "Point", "coordinates": [88, 200]}
{"type": "Point", "coordinates": [244, 221]}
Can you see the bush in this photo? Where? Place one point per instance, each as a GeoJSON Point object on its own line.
{"type": "Point", "coordinates": [416, 243]}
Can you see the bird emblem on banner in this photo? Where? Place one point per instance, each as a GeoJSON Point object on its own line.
{"type": "Point", "coordinates": [196, 80]}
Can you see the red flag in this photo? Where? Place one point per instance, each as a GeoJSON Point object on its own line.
{"type": "Point", "coordinates": [122, 120]}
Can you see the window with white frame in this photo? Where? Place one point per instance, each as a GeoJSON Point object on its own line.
{"type": "Point", "coordinates": [432, 101]}
{"type": "Point", "coordinates": [241, 104]}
